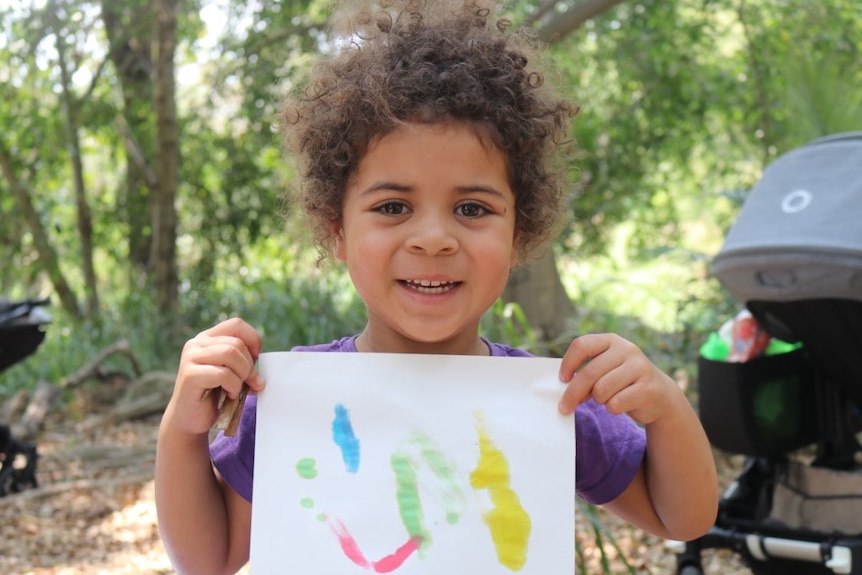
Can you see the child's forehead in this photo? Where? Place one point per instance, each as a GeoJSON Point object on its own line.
{"type": "Point", "coordinates": [484, 133]}
{"type": "Point", "coordinates": [452, 154]}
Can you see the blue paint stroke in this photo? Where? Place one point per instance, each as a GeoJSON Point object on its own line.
{"type": "Point", "coordinates": [343, 436]}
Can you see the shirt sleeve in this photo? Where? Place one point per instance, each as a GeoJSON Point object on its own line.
{"type": "Point", "coordinates": [234, 456]}
{"type": "Point", "coordinates": [609, 450]}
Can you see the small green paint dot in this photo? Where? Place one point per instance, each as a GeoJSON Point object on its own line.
{"type": "Point", "coordinates": [452, 518]}
{"type": "Point", "coordinates": [306, 467]}
{"type": "Point", "coordinates": [321, 516]}
{"type": "Point", "coordinates": [307, 502]}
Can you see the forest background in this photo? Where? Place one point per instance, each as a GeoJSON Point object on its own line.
{"type": "Point", "coordinates": [142, 184]}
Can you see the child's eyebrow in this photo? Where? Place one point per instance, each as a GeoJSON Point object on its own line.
{"type": "Point", "coordinates": [392, 186]}
{"type": "Point", "coordinates": [385, 186]}
{"type": "Point", "coordinates": [482, 189]}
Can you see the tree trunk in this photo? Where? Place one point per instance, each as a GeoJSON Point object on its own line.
{"type": "Point", "coordinates": [48, 259]}
{"type": "Point", "coordinates": [73, 142]}
{"type": "Point", "coordinates": [164, 207]}
{"type": "Point", "coordinates": [129, 29]}
{"type": "Point", "coordinates": [537, 288]}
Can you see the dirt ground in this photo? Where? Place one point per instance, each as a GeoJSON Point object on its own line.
{"type": "Point", "coordinates": [94, 512]}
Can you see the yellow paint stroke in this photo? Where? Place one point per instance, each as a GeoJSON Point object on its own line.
{"type": "Point", "coordinates": [507, 520]}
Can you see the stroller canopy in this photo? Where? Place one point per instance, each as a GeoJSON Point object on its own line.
{"type": "Point", "coordinates": [799, 233]}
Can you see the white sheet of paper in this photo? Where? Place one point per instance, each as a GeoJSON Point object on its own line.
{"type": "Point", "coordinates": [412, 464]}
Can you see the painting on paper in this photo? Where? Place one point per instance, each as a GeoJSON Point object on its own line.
{"type": "Point", "coordinates": [412, 464]}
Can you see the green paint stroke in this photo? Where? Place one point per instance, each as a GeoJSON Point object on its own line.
{"type": "Point", "coordinates": [306, 467]}
{"type": "Point", "coordinates": [449, 482]}
{"type": "Point", "coordinates": [419, 449]}
{"type": "Point", "coordinates": [407, 495]}
{"type": "Point", "coordinates": [507, 520]}
{"type": "Point", "coordinates": [307, 502]}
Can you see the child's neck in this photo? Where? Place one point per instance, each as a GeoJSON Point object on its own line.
{"type": "Point", "coordinates": [371, 342]}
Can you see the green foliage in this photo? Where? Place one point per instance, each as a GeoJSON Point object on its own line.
{"type": "Point", "coordinates": [506, 323]}
{"type": "Point", "coordinates": [300, 310]}
{"type": "Point", "coordinates": [600, 535]}
{"type": "Point", "coordinates": [684, 102]}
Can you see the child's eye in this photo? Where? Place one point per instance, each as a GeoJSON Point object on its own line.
{"type": "Point", "coordinates": [391, 208]}
{"type": "Point", "coordinates": [471, 210]}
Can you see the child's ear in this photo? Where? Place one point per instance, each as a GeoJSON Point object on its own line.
{"type": "Point", "coordinates": [339, 250]}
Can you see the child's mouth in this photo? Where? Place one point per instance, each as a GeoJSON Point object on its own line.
{"type": "Point", "coordinates": [428, 286]}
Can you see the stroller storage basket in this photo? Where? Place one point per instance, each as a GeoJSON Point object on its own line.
{"type": "Point", "coordinates": [763, 407]}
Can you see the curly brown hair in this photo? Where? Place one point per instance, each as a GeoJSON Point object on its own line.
{"type": "Point", "coordinates": [428, 61]}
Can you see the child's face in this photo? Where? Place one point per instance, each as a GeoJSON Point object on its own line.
{"type": "Point", "coordinates": [428, 237]}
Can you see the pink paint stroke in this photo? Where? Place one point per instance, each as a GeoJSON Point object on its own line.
{"type": "Point", "coordinates": [385, 564]}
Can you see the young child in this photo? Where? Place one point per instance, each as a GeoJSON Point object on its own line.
{"type": "Point", "coordinates": [426, 145]}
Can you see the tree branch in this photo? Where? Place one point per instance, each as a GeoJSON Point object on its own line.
{"type": "Point", "coordinates": [136, 154]}
{"type": "Point", "coordinates": [561, 25]}
{"type": "Point", "coordinates": [92, 368]}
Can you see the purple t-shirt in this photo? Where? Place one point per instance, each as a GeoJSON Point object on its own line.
{"type": "Point", "coordinates": [609, 448]}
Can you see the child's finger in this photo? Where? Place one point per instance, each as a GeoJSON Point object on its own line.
{"type": "Point", "coordinates": [255, 380]}
{"type": "Point", "coordinates": [575, 394]}
{"type": "Point", "coordinates": [222, 351]}
{"type": "Point", "coordinates": [206, 377]}
{"type": "Point", "coordinates": [623, 401]}
{"type": "Point", "coordinates": [614, 375]}
{"type": "Point", "coordinates": [596, 378]}
{"type": "Point", "coordinates": [237, 327]}
{"type": "Point", "coordinates": [581, 350]}
{"type": "Point", "coordinates": [212, 362]}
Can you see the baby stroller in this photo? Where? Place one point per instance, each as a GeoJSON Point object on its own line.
{"type": "Point", "coordinates": [22, 330]}
{"type": "Point", "coordinates": [793, 258]}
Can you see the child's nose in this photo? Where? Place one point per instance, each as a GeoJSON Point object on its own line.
{"type": "Point", "coordinates": [432, 235]}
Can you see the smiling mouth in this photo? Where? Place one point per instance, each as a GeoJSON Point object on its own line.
{"type": "Point", "coordinates": [428, 286]}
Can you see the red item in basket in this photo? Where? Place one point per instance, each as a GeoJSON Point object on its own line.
{"type": "Point", "coordinates": [749, 340]}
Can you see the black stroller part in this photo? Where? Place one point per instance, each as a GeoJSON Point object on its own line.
{"type": "Point", "coordinates": [831, 329]}
{"type": "Point", "coordinates": [765, 406]}
{"type": "Point", "coordinates": [17, 463]}
{"type": "Point", "coordinates": [22, 329]}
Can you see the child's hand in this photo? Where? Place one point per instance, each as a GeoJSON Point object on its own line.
{"type": "Point", "coordinates": [221, 357]}
{"type": "Point", "coordinates": [616, 374]}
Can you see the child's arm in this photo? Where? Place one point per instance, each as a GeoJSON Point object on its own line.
{"type": "Point", "coordinates": [675, 494]}
{"type": "Point", "coordinates": [204, 524]}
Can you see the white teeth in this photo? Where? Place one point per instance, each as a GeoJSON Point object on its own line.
{"type": "Point", "coordinates": [429, 286]}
